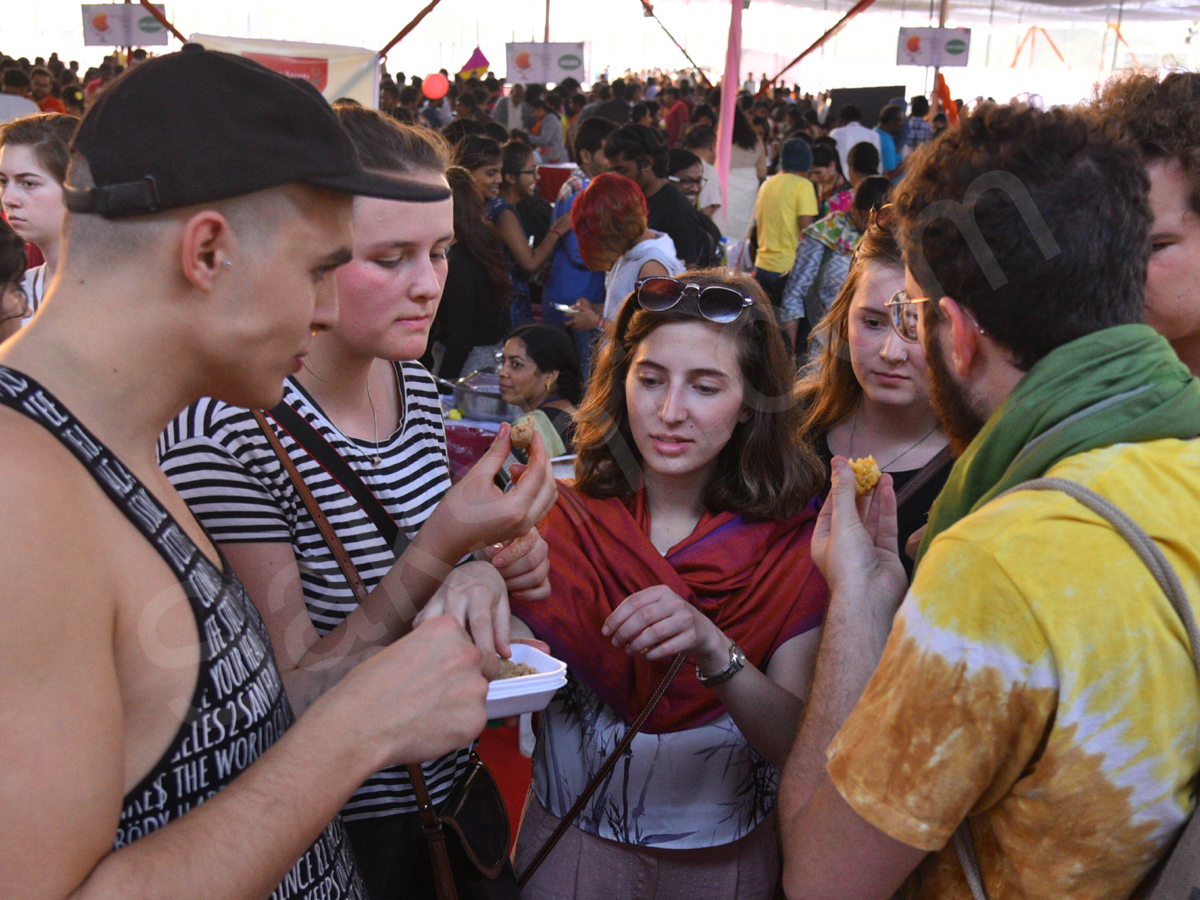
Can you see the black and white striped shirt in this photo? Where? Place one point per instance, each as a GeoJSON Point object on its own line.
{"type": "Point", "coordinates": [220, 461]}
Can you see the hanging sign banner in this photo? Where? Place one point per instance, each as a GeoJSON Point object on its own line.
{"type": "Point", "coordinates": [933, 47]}
{"type": "Point", "coordinates": [546, 63]}
{"type": "Point", "coordinates": [121, 25]}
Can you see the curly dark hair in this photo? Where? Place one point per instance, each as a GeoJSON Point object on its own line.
{"type": "Point", "coordinates": [1161, 116]}
{"type": "Point", "coordinates": [1034, 221]}
{"type": "Point", "coordinates": [767, 470]}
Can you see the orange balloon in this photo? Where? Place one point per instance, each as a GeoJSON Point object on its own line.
{"type": "Point", "coordinates": [436, 86]}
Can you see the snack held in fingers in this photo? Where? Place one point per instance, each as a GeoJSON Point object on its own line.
{"type": "Point", "coordinates": [866, 474]}
{"type": "Point", "coordinates": [512, 669]}
{"type": "Point", "coordinates": [522, 434]}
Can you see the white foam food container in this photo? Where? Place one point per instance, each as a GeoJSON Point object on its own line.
{"type": "Point", "coordinates": [528, 693]}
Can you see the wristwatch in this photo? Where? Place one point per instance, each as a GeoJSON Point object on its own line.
{"type": "Point", "coordinates": [737, 661]}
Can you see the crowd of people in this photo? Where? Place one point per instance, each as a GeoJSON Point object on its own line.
{"type": "Point", "coordinates": [251, 616]}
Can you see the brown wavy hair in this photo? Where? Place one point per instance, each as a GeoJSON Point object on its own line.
{"type": "Point", "coordinates": [766, 471]}
{"type": "Point", "coordinates": [49, 134]}
{"type": "Point", "coordinates": [829, 390]}
{"type": "Point", "coordinates": [1161, 117]}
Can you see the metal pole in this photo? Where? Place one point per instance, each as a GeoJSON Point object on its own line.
{"type": "Point", "coordinates": [988, 56]}
{"type": "Point", "coordinates": [128, 50]}
{"type": "Point", "coordinates": [547, 21]}
{"type": "Point", "coordinates": [1117, 43]}
{"type": "Point", "coordinates": [941, 24]}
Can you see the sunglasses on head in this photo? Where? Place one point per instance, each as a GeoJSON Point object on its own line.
{"type": "Point", "coordinates": [716, 302]}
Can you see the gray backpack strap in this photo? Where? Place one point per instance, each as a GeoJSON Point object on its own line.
{"type": "Point", "coordinates": [1179, 877]}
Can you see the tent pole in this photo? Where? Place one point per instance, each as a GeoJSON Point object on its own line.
{"type": "Point", "coordinates": [1117, 44]}
{"type": "Point", "coordinates": [403, 33]}
{"type": "Point", "coordinates": [163, 21]}
{"type": "Point", "coordinates": [941, 24]}
{"type": "Point", "coordinates": [547, 21]}
{"type": "Point", "coordinates": [987, 58]}
{"type": "Point", "coordinates": [858, 7]}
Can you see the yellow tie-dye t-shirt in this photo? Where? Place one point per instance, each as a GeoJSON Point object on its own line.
{"type": "Point", "coordinates": [1038, 680]}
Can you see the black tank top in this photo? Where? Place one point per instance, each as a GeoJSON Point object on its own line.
{"type": "Point", "coordinates": [238, 708]}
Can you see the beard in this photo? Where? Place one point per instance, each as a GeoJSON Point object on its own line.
{"type": "Point", "coordinates": [955, 412]}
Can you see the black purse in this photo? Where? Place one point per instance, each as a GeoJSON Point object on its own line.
{"type": "Point", "coordinates": [469, 837]}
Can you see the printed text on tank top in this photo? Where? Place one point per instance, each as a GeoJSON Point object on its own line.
{"type": "Point", "coordinates": [238, 708]}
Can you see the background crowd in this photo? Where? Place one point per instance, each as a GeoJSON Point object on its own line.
{"type": "Point", "coordinates": [710, 355]}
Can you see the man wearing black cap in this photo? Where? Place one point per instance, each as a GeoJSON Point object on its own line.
{"type": "Point", "coordinates": [209, 202]}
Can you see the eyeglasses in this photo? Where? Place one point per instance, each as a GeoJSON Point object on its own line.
{"type": "Point", "coordinates": [906, 319]}
{"type": "Point", "coordinates": [715, 302]}
{"type": "Point", "coordinates": [688, 182]}
{"type": "Point", "coordinates": [528, 172]}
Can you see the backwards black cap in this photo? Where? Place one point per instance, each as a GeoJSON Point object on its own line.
{"type": "Point", "coordinates": [198, 126]}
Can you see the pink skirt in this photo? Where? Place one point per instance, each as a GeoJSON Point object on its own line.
{"type": "Point", "coordinates": [585, 867]}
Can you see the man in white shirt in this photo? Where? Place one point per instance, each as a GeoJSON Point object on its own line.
{"type": "Point", "coordinates": [852, 132]}
{"type": "Point", "coordinates": [701, 139]}
{"type": "Point", "coordinates": [14, 100]}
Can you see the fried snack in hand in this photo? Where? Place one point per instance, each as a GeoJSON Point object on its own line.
{"type": "Point", "coordinates": [522, 434]}
{"type": "Point", "coordinates": [866, 474]}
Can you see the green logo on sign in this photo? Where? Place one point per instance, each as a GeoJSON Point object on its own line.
{"type": "Point", "coordinates": [956, 46]}
{"type": "Point", "coordinates": [149, 24]}
{"type": "Point", "coordinates": [570, 61]}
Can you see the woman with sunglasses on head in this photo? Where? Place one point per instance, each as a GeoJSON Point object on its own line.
{"type": "Point", "coordinates": [609, 219]}
{"type": "Point", "coordinates": [866, 392]}
{"type": "Point", "coordinates": [372, 413]}
{"type": "Point", "coordinates": [687, 531]}
{"type": "Point", "coordinates": [34, 153]}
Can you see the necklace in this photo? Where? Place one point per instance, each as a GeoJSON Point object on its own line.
{"type": "Point", "coordinates": [895, 459]}
{"type": "Point", "coordinates": [376, 459]}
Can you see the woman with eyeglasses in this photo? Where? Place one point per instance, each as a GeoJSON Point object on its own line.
{"type": "Point", "coordinates": [610, 219]}
{"type": "Point", "coordinates": [539, 373]}
{"type": "Point", "coordinates": [866, 392]}
{"type": "Point", "coordinates": [518, 181]}
{"type": "Point", "coordinates": [687, 531]}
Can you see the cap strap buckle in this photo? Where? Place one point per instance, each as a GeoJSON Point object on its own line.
{"type": "Point", "coordinates": [124, 198]}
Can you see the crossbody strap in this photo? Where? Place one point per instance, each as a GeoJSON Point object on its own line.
{"type": "Point", "coordinates": [315, 444]}
{"type": "Point", "coordinates": [1160, 568]}
{"type": "Point", "coordinates": [603, 772]}
{"type": "Point", "coordinates": [429, 819]}
{"type": "Point", "coordinates": [926, 472]}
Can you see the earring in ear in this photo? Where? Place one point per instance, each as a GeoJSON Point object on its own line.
{"type": "Point", "coordinates": [227, 264]}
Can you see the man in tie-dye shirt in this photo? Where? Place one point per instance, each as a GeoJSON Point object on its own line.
{"type": "Point", "coordinates": [1035, 680]}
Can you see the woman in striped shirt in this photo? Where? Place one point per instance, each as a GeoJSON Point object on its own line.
{"type": "Point", "coordinates": [362, 391]}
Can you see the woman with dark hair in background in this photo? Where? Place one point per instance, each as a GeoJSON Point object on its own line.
{"type": "Point", "coordinates": [866, 391]}
{"type": "Point", "coordinates": [518, 173]}
{"type": "Point", "coordinates": [687, 531]}
{"type": "Point", "coordinates": [540, 374]}
{"type": "Point", "coordinates": [823, 260]}
{"type": "Point", "coordinates": [480, 156]}
{"type": "Point", "coordinates": [472, 319]}
{"type": "Point", "coordinates": [34, 153]}
{"type": "Point", "coordinates": [13, 304]}
{"type": "Point", "coordinates": [747, 169]}
{"type": "Point", "coordinates": [863, 160]}
{"type": "Point", "coordinates": [834, 193]}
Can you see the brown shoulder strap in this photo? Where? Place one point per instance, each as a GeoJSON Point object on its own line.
{"type": "Point", "coordinates": [432, 826]}
{"type": "Point", "coordinates": [926, 472]}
